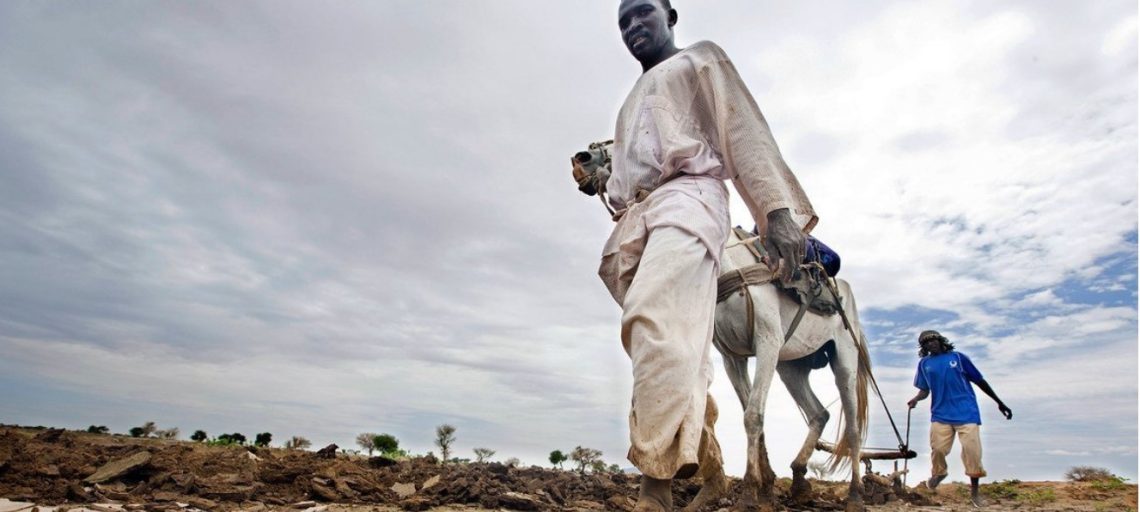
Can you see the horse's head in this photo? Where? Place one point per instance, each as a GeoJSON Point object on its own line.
{"type": "Point", "coordinates": [591, 168]}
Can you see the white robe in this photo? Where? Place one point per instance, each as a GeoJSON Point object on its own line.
{"type": "Point", "coordinates": [688, 124]}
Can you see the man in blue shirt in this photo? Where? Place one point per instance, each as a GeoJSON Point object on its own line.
{"type": "Point", "coordinates": [947, 375]}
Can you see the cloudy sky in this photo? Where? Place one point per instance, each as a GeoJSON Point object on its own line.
{"type": "Point", "coordinates": [320, 220]}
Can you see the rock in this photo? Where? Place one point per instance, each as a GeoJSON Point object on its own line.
{"type": "Point", "coordinates": [165, 496]}
{"type": "Point", "coordinates": [185, 481]}
{"type": "Point", "coordinates": [620, 502]}
{"type": "Point", "coordinates": [519, 501]}
{"type": "Point", "coordinates": [50, 435]}
{"type": "Point", "coordinates": [587, 505]}
{"type": "Point", "coordinates": [344, 488]}
{"type": "Point", "coordinates": [321, 489]}
{"type": "Point", "coordinates": [304, 504]}
{"type": "Point", "coordinates": [76, 492]}
{"type": "Point", "coordinates": [118, 468]}
{"type": "Point", "coordinates": [14, 506]}
{"type": "Point", "coordinates": [403, 490]}
{"type": "Point", "coordinates": [105, 507]}
{"type": "Point", "coordinates": [381, 462]}
{"type": "Point", "coordinates": [252, 456]}
{"type": "Point", "coordinates": [328, 452]}
{"type": "Point", "coordinates": [430, 482]}
{"type": "Point", "coordinates": [416, 504]}
{"type": "Point", "coordinates": [49, 470]}
{"type": "Point", "coordinates": [201, 503]}
{"type": "Point", "coordinates": [228, 494]}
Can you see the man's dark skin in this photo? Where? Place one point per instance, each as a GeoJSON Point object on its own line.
{"type": "Point", "coordinates": [647, 30]}
{"type": "Point", "coordinates": [934, 347]}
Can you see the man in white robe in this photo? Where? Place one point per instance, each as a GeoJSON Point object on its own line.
{"type": "Point", "coordinates": [688, 124]}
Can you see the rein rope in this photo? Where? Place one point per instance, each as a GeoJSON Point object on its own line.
{"type": "Point", "coordinates": [866, 365]}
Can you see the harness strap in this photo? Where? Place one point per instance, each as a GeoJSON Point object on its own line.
{"type": "Point", "coordinates": [732, 281]}
{"type": "Point", "coordinates": [795, 321]}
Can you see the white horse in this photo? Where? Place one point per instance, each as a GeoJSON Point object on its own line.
{"type": "Point", "coordinates": [816, 339]}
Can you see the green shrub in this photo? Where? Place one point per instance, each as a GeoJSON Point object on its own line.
{"type": "Point", "coordinates": [1112, 483]}
{"type": "Point", "coordinates": [1005, 489]}
{"type": "Point", "coordinates": [1038, 497]}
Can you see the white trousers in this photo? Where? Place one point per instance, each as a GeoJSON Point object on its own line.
{"type": "Point", "coordinates": [667, 328]}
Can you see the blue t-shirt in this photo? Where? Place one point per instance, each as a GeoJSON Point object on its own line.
{"type": "Point", "coordinates": [948, 377]}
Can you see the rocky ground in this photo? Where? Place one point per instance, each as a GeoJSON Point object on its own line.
{"type": "Point", "coordinates": [61, 470]}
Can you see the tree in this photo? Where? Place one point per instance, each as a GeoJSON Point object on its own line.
{"type": "Point", "coordinates": [262, 439]}
{"type": "Point", "coordinates": [199, 436]}
{"type": "Point", "coordinates": [297, 443]}
{"type": "Point", "coordinates": [598, 466]}
{"type": "Point", "coordinates": [137, 432]}
{"type": "Point", "coordinates": [512, 462]}
{"type": "Point", "coordinates": [386, 444]}
{"type": "Point", "coordinates": [444, 437]}
{"type": "Point", "coordinates": [170, 433]}
{"type": "Point", "coordinates": [482, 454]}
{"type": "Point", "coordinates": [101, 429]}
{"type": "Point", "coordinates": [1089, 474]}
{"type": "Point", "coordinates": [557, 458]}
{"type": "Point", "coordinates": [585, 457]}
{"type": "Point", "coordinates": [234, 438]}
{"type": "Point", "coordinates": [366, 441]}
{"type": "Point", "coordinates": [614, 468]}
{"type": "Point", "coordinates": [148, 429]}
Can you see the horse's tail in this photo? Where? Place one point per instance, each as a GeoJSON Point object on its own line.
{"type": "Point", "coordinates": [842, 455]}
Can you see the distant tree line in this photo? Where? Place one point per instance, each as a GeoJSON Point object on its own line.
{"type": "Point", "coordinates": [385, 445]}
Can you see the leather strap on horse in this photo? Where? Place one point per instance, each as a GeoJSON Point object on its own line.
{"type": "Point", "coordinates": [739, 280]}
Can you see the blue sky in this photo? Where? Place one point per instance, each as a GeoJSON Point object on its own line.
{"type": "Point", "coordinates": [272, 217]}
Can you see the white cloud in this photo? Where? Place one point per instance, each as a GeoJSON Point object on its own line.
{"type": "Point", "coordinates": [334, 220]}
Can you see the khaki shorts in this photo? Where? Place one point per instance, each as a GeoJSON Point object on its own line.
{"type": "Point", "coordinates": [942, 440]}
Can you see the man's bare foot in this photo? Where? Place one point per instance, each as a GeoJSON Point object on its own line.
{"type": "Point", "coordinates": [932, 484]}
{"type": "Point", "coordinates": [655, 495]}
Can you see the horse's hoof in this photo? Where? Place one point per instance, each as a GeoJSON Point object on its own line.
{"type": "Point", "coordinates": [801, 490]}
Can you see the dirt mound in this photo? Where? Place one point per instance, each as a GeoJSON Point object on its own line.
{"type": "Point", "coordinates": [53, 466]}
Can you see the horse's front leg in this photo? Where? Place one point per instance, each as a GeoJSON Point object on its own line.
{"type": "Point", "coordinates": [758, 476]}
{"type": "Point", "coordinates": [795, 376]}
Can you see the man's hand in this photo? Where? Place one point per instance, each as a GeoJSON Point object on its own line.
{"type": "Point", "coordinates": [785, 243]}
{"type": "Point", "coordinates": [1005, 411]}
{"type": "Point", "coordinates": [922, 394]}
